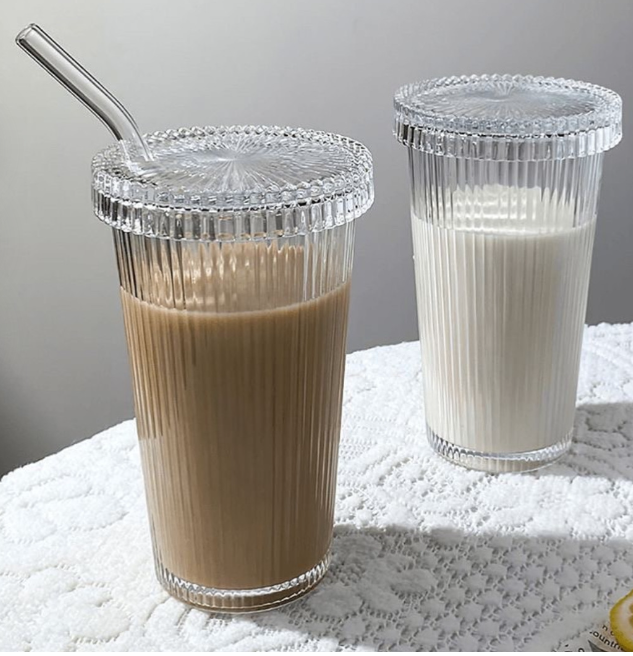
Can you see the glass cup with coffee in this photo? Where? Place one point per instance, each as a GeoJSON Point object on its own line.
{"type": "Point", "coordinates": [234, 249]}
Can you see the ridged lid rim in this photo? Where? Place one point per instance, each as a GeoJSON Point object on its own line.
{"type": "Point", "coordinates": [506, 138]}
{"type": "Point", "coordinates": [129, 197]}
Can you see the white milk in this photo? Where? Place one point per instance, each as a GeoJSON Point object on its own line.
{"type": "Point", "coordinates": [501, 316]}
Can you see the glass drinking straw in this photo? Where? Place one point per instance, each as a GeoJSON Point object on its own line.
{"type": "Point", "coordinates": [66, 70]}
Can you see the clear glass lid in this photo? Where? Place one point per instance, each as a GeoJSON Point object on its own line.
{"type": "Point", "coordinates": [508, 117]}
{"type": "Point", "coordinates": [240, 182]}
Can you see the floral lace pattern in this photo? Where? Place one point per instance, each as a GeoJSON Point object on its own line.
{"type": "Point", "coordinates": [426, 555]}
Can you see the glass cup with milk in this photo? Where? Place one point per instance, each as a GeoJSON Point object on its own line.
{"type": "Point", "coordinates": [234, 250]}
{"type": "Point", "coordinates": [505, 174]}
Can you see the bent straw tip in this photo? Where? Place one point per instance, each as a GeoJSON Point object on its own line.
{"type": "Point", "coordinates": [66, 70]}
{"type": "Point", "coordinates": [24, 34]}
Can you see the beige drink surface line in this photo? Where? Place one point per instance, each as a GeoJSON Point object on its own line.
{"type": "Point", "coordinates": [501, 321]}
{"type": "Point", "coordinates": [239, 417]}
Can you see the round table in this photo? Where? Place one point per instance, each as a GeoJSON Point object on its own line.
{"type": "Point", "coordinates": [426, 555]}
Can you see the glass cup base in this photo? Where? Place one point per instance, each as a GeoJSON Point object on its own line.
{"type": "Point", "coordinates": [241, 601]}
{"type": "Point", "coordinates": [498, 462]}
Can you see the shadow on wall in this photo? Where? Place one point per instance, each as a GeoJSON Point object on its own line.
{"type": "Point", "coordinates": [20, 425]}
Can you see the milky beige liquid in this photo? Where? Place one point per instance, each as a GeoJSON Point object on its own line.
{"type": "Point", "coordinates": [501, 317]}
{"type": "Point", "coordinates": [238, 417]}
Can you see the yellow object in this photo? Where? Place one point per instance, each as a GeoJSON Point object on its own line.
{"type": "Point", "coordinates": [622, 622]}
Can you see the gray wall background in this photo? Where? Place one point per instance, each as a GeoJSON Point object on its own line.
{"type": "Point", "coordinates": [326, 64]}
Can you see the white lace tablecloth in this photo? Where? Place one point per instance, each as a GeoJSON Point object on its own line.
{"type": "Point", "coordinates": [426, 555]}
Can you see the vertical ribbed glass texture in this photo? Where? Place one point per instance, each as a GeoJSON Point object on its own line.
{"type": "Point", "coordinates": [237, 352]}
{"type": "Point", "coordinates": [502, 257]}
{"type": "Point", "coordinates": [234, 247]}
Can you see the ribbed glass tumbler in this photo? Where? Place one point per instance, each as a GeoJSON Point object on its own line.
{"type": "Point", "coordinates": [505, 174]}
{"type": "Point", "coordinates": [235, 257]}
